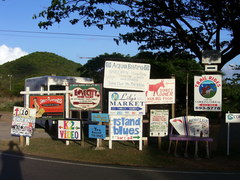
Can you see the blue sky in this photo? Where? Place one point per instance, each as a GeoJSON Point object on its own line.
{"type": "Point", "coordinates": [16, 15]}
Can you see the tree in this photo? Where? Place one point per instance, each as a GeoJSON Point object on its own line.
{"type": "Point", "coordinates": [172, 25]}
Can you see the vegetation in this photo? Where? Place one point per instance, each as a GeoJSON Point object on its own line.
{"type": "Point", "coordinates": [33, 65]}
{"type": "Point", "coordinates": [172, 25]}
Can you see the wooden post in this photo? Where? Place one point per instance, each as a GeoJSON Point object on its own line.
{"type": "Point", "coordinates": [21, 141]}
{"type": "Point", "coordinates": [159, 142]}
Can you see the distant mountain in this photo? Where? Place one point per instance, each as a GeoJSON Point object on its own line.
{"type": "Point", "coordinates": [33, 65]}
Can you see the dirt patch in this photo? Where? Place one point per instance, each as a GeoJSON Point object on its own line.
{"type": "Point", "coordinates": [6, 116]}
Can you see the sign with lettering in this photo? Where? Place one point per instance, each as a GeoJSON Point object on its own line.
{"type": "Point", "coordinates": [197, 126]}
{"type": "Point", "coordinates": [161, 91]}
{"type": "Point", "coordinates": [69, 130]}
{"type": "Point", "coordinates": [97, 131]}
{"type": "Point", "coordinates": [179, 124]}
{"type": "Point", "coordinates": [126, 75]}
{"type": "Point", "coordinates": [86, 97]}
{"type": "Point", "coordinates": [100, 117]}
{"type": "Point", "coordinates": [23, 122]}
{"type": "Point", "coordinates": [125, 127]}
{"type": "Point", "coordinates": [48, 107]}
{"type": "Point", "coordinates": [232, 117]}
{"type": "Point", "coordinates": [208, 93]}
{"type": "Point", "coordinates": [159, 123]}
{"type": "Point", "coordinates": [126, 103]}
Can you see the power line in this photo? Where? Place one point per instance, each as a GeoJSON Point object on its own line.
{"type": "Point", "coordinates": [55, 33]}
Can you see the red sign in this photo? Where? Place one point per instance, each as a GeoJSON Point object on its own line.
{"type": "Point", "coordinates": [51, 107]}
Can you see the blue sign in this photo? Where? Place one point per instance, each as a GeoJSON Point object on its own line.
{"type": "Point", "coordinates": [97, 131]}
{"type": "Point", "coordinates": [100, 117]}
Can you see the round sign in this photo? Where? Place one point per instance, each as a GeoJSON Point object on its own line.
{"type": "Point", "coordinates": [208, 89]}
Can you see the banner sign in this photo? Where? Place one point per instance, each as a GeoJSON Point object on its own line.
{"type": "Point", "coordinates": [86, 97]}
{"type": "Point", "coordinates": [126, 103]}
{"type": "Point", "coordinates": [23, 122]}
{"type": "Point", "coordinates": [97, 131]}
{"type": "Point", "coordinates": [198, 126]}
{"type": "Point", "coordinates": [158, 123]}
{"type": "Point", "coordinates": [208, 93]}
{"type": "Point", "coordinates": [126, 75]}
{"type": "Point", "coordinates": [161, 91]}
{"type": "Point", "coordinates": [191, 125]}
{"type": "Point", "coordinates": [69, 130]}
{"type": "Point", "coordinates": [232, 117]}
{"type": "Point", "coordinates": [125, 127]}
{"type": "Point", "coordinates": [100, 117]}
{"type": "Point", "coordinates": [48, 107]}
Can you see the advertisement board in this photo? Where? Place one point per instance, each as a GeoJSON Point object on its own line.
{"type": "Point", "coordinates": [198, 126]}
{"type": "Point", "coordinates": [208, 93]}
{"type": "Point", "coordinates": [48, 107]}
{"type": "Point", "coordinates": [126, 75]}
{"type": "Point", "coordinates": [158, 123]}
{"type": "Point", "coordinates": [97, 131]}
{"type": "Point", "coordinates": [100, 117]}
{"type": "Point", "coordinates": [69, 130]}
{"type": "Point", "coordinates": [125, 128]}
{"type": "Point", "coordinates": [23, 122]}
{"type": "Point", "coordinates": [179, 124]}
{"type": "Point", "coordinates": [86, 97]}
{"type": "Point", "coordinates": [232, 118]}
{"type": "Point", "coordinates": [126, 103]}
{"type": "Point", "coordinates": [161, 91]}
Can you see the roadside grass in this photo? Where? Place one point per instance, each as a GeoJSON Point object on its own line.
{"type": "Point", "coordinates": [123, 153]}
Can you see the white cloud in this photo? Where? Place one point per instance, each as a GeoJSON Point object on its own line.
{"type": "Point", "coordinates": [9, 54]}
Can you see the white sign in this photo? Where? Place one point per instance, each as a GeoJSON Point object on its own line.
{"type": "Point", "coordinates": [159, 123]}
{"type": "Point", "coordinates": [179, 124]}
{"type": "Point", "coordinates": [208, 93]}
{"type": "Point", "coordinates": [125, 75]}
{"type": "Point", "coordinates": [125, 128]}
{"type": "Point", "coordinates": [23, 122]}
{"type": "Point", "coordinates": [232, 117]}
{"type": "Point", "coordinates": [161, 91]}
{"type": "Point", "coordinates": [198, 126]}
{"type": "Point", "coordinates": [126, 103]}
{"type": "Point", "coordinates": [70, 130]}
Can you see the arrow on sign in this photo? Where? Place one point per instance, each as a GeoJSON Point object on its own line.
{"type": "Point", "coordinates": [136, 137]}
{"type": "Point", "coordinates": [126, 108]}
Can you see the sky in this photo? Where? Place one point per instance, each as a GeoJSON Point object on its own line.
{"type": "Point", "coordinates": [16, 19]}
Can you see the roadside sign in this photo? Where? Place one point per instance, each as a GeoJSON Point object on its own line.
{"type": "Point", "coordinates": [86, 97]}
{"type": "Point", "coordinates": [23, 122]}
{"type": "Point", "coordinates": [69, 130]}
{"type": "Point", "coordinates": [100, 117]}
{"type": "Point", "coordinates": [197, 126]}
{"type": "Point", "coordinates": [232, 117]}
{"type": "Point", "coordinates": [161, 91]}
{"type": "Point", "coordinates": [125, 128]}
{"type": "Point", "coordinates": [179, 124]}
{"type": "Point", "coordinates": [208, 93]}
{"type": "Point", "coordinates": [126, 103]}
{"type": "Point", "coordinates": [97, 131]}
{"type": "Point", "coordinates": [48, 107]}
{"type": "Point", "coordinates": [126, 75]}
{"type": "Point", "coordinates": [158, 123]}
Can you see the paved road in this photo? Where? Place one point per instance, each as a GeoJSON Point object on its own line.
{"type": "Point", "coordinates": [20, 167]}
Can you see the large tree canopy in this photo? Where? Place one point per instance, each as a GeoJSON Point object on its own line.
{"type": "Point", "coordinates": [172, 25]}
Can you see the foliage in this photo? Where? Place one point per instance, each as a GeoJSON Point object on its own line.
{"type": "Point", "coordinates": [173, 25]}
{"type": "Point", "coordinates": [33, 65]}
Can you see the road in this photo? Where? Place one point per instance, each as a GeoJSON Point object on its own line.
{"type": "Point", "coordinates": [20, 167]}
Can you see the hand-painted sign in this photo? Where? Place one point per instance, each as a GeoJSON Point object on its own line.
{"type": "Point", "coordinates": [208, 93]}
{"type": "Point", "coordinates": [126, 75]}
{"type": "Point", "coordinates": [158, 123]}
{"type": "Point", "coordinates": [48, 107]}
{"type": "Point", "coordinates": [69, 130]}
{"type": "Point", "coordinates": [161, 91]}
{"type": "Point", "coordinates": [191, 125]}
{"type": "Point", "coordinates": [100, 117]}
{"type": "Point", "coordinates": [232, 117]}
{"type": "Point", "coordinates": [23, 122]}
{"type": "Point", "coordinates": [97, 131]}
{"type": "Point", "coordinates": [179, 124]}
{"type": "Point", "coordinates": [85, 97]}
{"type": "Point", "coordinates": [125, 127]}
{"type": "Point", "coordinates": [126, 103]}
{"type": "Point", "coordinates": [197, 126]}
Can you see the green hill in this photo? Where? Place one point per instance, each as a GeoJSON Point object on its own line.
{"type": "Point", "coordinates": [33, 65]}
